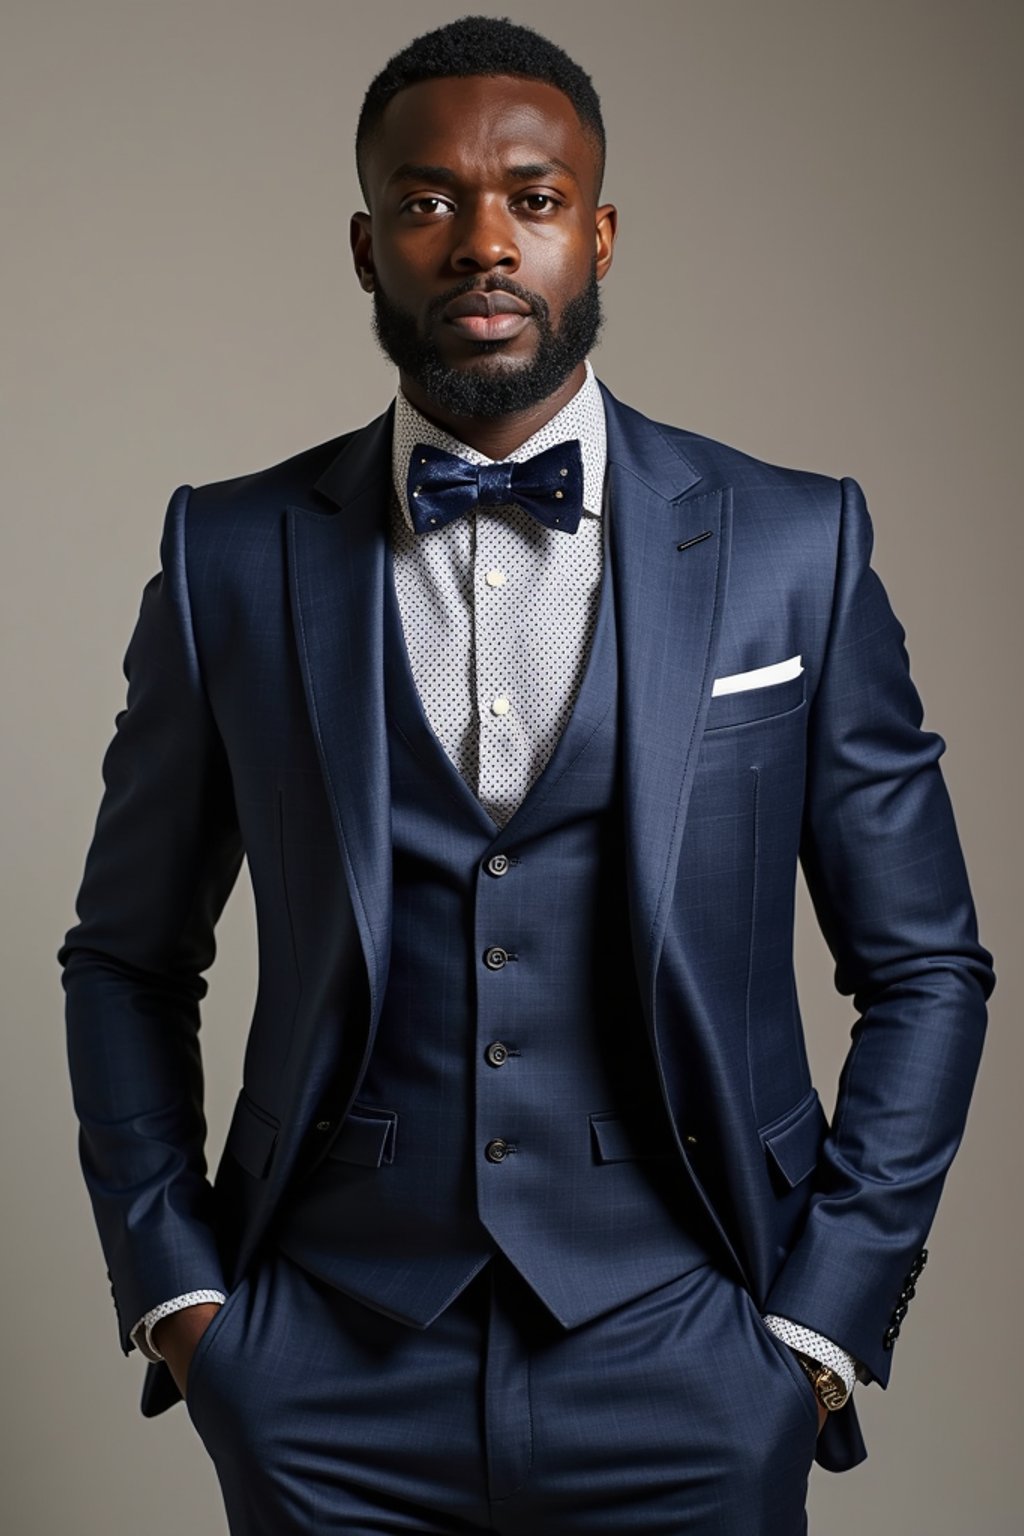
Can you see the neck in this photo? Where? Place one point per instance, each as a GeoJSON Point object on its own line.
{"type": "Point", "coordinates": [497, 436]}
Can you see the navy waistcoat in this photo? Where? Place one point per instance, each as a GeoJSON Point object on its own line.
{"type": "Point", "coordinates": [510, 1101]}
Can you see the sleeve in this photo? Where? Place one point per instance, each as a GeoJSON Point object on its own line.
{"type": "Point", "coordinates": [886, 875]}
{"type": "Point", "coordinates": [164, 856]}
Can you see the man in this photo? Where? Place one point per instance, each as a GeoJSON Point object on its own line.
{"type": "Point", "coordinates": [522, 708]}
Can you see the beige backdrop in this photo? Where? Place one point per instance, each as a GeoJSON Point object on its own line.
{"type": "Point", "coordinates": [820, 261]}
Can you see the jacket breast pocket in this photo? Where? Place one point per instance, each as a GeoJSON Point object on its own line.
{"type": "Point", "coordinates": [752, 704]}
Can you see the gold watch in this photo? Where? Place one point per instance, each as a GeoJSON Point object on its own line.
{"type": "Point", "coordinates": [829, 1387]}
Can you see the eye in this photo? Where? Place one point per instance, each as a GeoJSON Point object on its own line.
{"type": "Point", "coordinates": [540, 202]}
{"type": "Point", "coordinates": [426, 205]}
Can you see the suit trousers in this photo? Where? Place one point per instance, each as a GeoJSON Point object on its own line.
{"type": "Point", "coordinates": [675, 1414]}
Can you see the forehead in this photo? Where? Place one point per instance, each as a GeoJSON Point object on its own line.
{"type": "Point", "coordinates": [477, 124]}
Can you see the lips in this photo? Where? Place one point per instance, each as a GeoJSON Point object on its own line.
{"type": "Point", "coordinates": [487, 316]}
{"type": "Point", "coordinates": [485, 304]}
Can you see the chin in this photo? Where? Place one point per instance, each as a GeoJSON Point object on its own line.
{"type": "Point", "coordinates": [492, 357]}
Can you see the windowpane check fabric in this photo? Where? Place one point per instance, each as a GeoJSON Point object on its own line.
{"type": "Point", "coordinates": [498, 614]}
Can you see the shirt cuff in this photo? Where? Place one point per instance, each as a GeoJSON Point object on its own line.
{"type": "Point", "coordinates": [141, 1334]}
{"type": "Point", "coordinates": [816, 1345]}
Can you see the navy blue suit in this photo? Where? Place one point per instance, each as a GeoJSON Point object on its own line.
{"type": "Point", "coordinates": [257, 686]}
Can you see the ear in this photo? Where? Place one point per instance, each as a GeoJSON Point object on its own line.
{"type": "Point", "coordinates": [605, 229]}
{"type": "Point", "coordinates": [361, 240]}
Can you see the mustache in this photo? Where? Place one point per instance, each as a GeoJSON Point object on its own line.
{"type": "Point", "coordinates": [538, 305]}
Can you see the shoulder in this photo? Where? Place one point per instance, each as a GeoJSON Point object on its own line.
{"type": "Point", "coordinates": [271, 488]}
{"type": "Point", "coordinates": [240, 520]}
{"type": "Point", "coordinates": [785, 523]}
{"type": "Point", "coordinates": [712, 464]}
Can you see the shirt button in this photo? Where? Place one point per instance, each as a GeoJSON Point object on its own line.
{"type": "Point", "coordinates": [500, 705]}
{"type": "Point", "coordinates": [495, 957]}
{"type": "Point", "coordinates": [496, 1151]}
{"type": "Point", "coordinates": [497, 1053]}
{"type": "Point", "coordinates": [495, 578]}
{"type": "Point", "coordinates": [497, 864]}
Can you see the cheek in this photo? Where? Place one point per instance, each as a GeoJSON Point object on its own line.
{"type": "Point", "coordinates": [570, 291]}
{"type": "Point", "coordinates": [408, 260]}
{"type": "Point", "coordinates": [563, 254]}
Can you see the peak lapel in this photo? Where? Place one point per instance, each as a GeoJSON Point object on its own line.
{"type": "Point", "coordinates": [669, 604]}
{"type": "Point", "coordinates": [337, 568]}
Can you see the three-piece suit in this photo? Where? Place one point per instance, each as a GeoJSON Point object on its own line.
{"type": "Point", "coordinates": [526, 1126]}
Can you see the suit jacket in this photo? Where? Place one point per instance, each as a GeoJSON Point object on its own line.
{"type": "Point", "coordinates": [254, 727]}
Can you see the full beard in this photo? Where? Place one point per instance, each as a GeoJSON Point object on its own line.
{"type": "Point", "coordinates": [503, 388]}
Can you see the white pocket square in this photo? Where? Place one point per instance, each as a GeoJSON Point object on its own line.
{"type": "Point", "coordinates": [760, 677]}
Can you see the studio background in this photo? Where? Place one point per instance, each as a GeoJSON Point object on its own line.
{"type": "Point", "coordinates": [819, 262]}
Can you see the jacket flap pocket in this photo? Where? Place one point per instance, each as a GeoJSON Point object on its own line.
{"type": "Point", "coordinates": [367, 1137]}
{"type": "Point", "coordinates": [794, 1140]}
{"type": "Point", "coordinates": [620, 1138]}
{"type": "Point", "coordinates": [755, 703]}
{"type": "Point", "coordinates": [252, 1137]}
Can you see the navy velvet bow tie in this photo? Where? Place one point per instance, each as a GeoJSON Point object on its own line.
{"type": "Point", "coordinates": [443, 487]}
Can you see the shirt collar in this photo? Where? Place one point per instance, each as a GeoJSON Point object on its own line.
{"type": "Point", "coordinates": [581, 417]}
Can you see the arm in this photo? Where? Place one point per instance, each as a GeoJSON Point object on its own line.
{"type": "Point", "coordinates": [886, 875]}
{"type": "Point", "coordinates": [164, 856]}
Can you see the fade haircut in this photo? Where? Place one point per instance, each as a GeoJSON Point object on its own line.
{"type": "Point", "coordinates": [480, 45]}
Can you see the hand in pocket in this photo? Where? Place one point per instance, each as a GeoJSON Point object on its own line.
{"type": "Point", "coordinates": [177, 1337]}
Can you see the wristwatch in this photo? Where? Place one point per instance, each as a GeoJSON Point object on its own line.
{"type": "Point", "coordinates": [829, 1387]}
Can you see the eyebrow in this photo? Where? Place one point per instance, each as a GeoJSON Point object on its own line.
{"type": "Point", "coordinates": [445, 176]}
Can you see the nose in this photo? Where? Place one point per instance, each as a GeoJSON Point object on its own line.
{"type": "Point", "coordinates": [485, 238]}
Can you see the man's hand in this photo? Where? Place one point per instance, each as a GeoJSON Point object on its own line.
{"type": "Point", "coordinates": [176, 1337]}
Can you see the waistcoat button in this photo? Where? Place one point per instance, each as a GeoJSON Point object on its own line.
{"type": "Point", "coordinates": [496, 1151]}
{"type": "Point", "coordinates": [497, 1053]}
{"type": "Point", "coordinates": [495, 958]}
{"type": "Point", "coordinates": [498, 864]}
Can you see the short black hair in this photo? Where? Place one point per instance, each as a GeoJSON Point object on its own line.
{"type": "Point", "coordinates": [481, 45]}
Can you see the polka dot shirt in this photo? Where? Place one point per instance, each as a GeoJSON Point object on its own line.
{"type": "Point", "coordinates": [498, 611]}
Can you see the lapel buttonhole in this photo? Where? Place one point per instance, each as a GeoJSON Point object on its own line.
{"type": "Point", "coordinates": [697, 539]}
